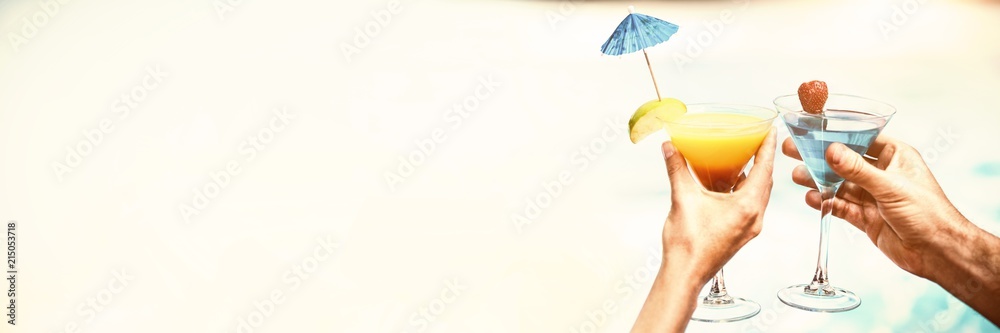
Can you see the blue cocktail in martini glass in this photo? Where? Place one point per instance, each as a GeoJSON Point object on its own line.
{"type": "Point", "coordinates": [850, 120]}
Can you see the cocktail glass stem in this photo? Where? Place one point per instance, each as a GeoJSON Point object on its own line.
{"type": "Point", "coordinates": [821, 281]}
{"type": "Point", "coordinates": [850, 120]}
{"type": "Point", "coordinates": [717, 295]}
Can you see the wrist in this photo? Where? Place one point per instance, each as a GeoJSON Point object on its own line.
{"type": "Point", "coordinates": [671, 301]}
{"type": "Point", "coordinates": [683, 257]}
{"type": "Point", "coordinates": [681, 283]}
{"type": "Point", "coordinates": [944, 244]}
{"type": "Point", "coordinates": [959, 260]}
{"type": "Point", "coordinates": [967, 268]}
{"type": "Point", "coordinates": [681, 270]}
{"type": "Point", "coordinates": [947, 246]}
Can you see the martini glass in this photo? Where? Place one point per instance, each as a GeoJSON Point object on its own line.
{"type": "Point", "coordinates": [850, 120]}
{"type": "Point", "coordinates": [718, 140]}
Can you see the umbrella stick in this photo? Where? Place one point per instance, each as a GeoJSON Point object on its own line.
{"type": "Point", "coordinates": [655, 86]}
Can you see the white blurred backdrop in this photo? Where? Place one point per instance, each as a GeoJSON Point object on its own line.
{"type": "Point", "coordinates": [442, 166]}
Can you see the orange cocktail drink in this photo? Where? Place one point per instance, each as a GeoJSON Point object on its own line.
{"type": "Point", "coordinates": [718, 142]}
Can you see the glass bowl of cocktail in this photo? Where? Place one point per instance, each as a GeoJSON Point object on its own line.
{"type": "Point", "coordinates": [718, 140]}
{"type": "Point", "coordinates": [855, 122]}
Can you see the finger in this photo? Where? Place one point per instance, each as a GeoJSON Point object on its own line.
{"type": "Point", "coordinates": [740, 181]}
{"type": "Point", "coordinates": [801, 176]}
{"type": "Point", "coordinates": [848, 164]}
{"type": "Point", "coordinates": [853, 193]}
{"type": "Point", "coordinates": [760, 175]}
{"type": "Point", "coordinates": [848, 190]}
{"type": "Point", "coordinates": [677, 169]}
{"type": "Point", "coordinates": [845, 210]}
{"type": "Point", "coordinates": [876, 147]}
{"type": "Point", "coordinates": [788, 148]}
{"type": "Point", "coordinates": [813, 199]}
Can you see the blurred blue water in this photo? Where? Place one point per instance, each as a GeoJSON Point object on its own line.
{"type": "Point", "coordinates": [988, 170]}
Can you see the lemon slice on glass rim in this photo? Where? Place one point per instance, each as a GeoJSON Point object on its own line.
{"type": "Point", "coordinates": [650, 117]}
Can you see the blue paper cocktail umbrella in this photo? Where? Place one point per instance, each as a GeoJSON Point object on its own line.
{"type": "Point", "coordinates": [637, 32]}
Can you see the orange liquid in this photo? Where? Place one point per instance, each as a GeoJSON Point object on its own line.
{"type": "Point", "coordinates": [718, 146]}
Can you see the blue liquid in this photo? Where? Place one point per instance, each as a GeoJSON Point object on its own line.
{"type": "Point", "coordinates": [813, 134]}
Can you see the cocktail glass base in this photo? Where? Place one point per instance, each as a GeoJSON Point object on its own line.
{"type": "Point", "coordinates": [799, 297]}
{"type": "Point", "coordinates": [738, 309]}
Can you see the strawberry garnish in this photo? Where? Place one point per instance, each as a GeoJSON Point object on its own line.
{"type": "Point", "coordinates": [813, 96]}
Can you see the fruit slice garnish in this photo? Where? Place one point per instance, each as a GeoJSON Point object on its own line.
{"type": "Point", "coordinates": [651, 116]}
{"type": "Point", "coordinates": [813, 95]}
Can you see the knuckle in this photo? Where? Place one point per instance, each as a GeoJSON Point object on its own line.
{"type": "Point", "coordinates": [755, 229]}
{"type": "Point", "coordinates": [746, 208]}
{"type": "Point", "coordinates": [839, 207]}
{"type": "Point", "coordinates": [855, 166]}
{"type": "Point", "coordinates": [674, 168]}
{"type": "Point", "coordinates": [906, 151]}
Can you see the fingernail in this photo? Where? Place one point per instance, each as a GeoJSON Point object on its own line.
{"type": "Point", "coordinates": [668, 149]}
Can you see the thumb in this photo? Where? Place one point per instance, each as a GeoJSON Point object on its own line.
{"type": "Point", "coordinates": [850, 165]}
{"type": "Point", "coordinates": [677, 168]}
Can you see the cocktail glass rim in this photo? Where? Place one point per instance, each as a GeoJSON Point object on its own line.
{"type": "Point", "coordinates": [680, 120]}
{"type": "Point", "coordinates": [791, 104]}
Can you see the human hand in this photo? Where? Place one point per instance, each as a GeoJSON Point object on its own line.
{"type": "Point", "coordinates": [704, 229]}
{"type": "Point", "coordinates": [891, 195]}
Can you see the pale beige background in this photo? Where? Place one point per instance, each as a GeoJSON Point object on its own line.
{"type": "Point", "coordinates": [321, 180]}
